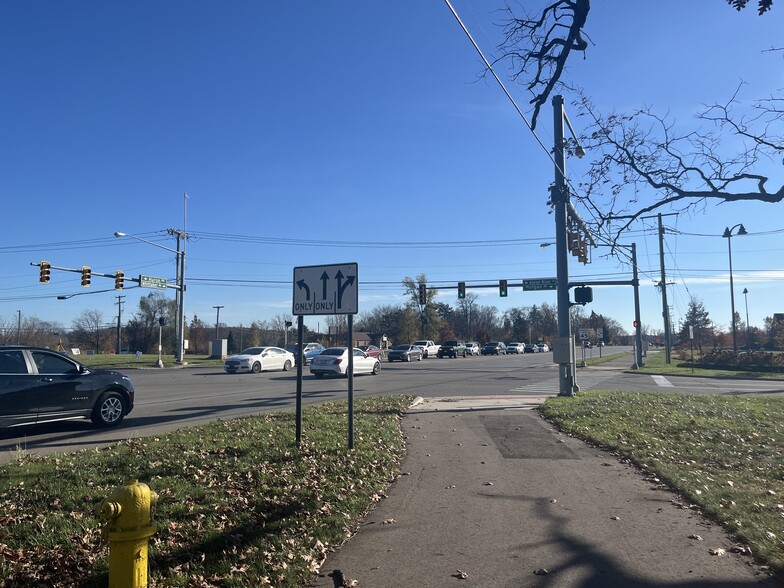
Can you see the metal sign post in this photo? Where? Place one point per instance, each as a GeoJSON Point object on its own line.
{"type": "Point", "coordinates": [326, 289]}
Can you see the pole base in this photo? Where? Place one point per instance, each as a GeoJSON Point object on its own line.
{"type": "Point", "coordinates": [159, 363]}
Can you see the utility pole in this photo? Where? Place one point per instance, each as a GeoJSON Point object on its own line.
{"type": "Point", "coordinates": [19, 327]}
{"type": "Point", "coordinates": [663, 284]}
{"type": "Point", "coordinates": [119, 304]}
{"type": "Point", "coordinates": [217, 322]}
{"type": "Point", "coordinates": [638, 328]}
{"type": "Point", "coordinates": [180, 295]}
{"type": "Point", "coordinates": [559, 198]}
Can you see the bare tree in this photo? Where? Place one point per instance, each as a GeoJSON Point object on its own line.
{"type": "Point", "coordinates": [538, 46]}
{"type": "Point", "coordinates": [643, 155]}
{"type": "Point", "coordinates": [91, 329]}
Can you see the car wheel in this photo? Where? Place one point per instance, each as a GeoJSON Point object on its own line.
{"type": "Point", "coordinates": [256, 368]}
{"type": "Point", "coordinates": [109, 410]}
{"type": "Point", "coordinates": [287, 366]}
{"type": "Point", "coordinates": [419, 358]}
{"type": "Point", "coordinates": [318, 375]}
{"type": "Point", "coordinates": [376, 368]}
{"type": "Point", "coordinates": [390, 360]}
{"type": "Point", "coordinates": [408, 357]}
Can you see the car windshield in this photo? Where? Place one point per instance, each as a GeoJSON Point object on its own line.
{"type": "Point", "coordinates": [402, 347]}
{"type": "Point", "coordinates": [252, 351]}
{"type": "Point", "coordinates": [333, 351]}
{"type": "Point", "coordinates": [450, 342]}
{"type": "Point", "coordinates": [491, 344]}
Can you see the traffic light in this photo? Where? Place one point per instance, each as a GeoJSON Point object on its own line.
{"type": "Point", "coordinates": [422, 293]}
{"type": "Point", "coordinates": [636, 324]}
{"type": "Point", "coordinates": [86, 276]}
{"type": "Point", "coordinates": [46, 270]}
{"type": "Point", "coordinates": [502, 288]}
{"type": "Point", "coordinates": [583, 295]}
{"type": "Point", "coordinates": [461, 289]}
{"type": "Point", "coordinates": [119, 279]}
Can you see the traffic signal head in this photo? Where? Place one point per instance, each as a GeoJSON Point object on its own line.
{"type": "Point", "coordinates": [461, 289]}
{"type": "Point", "coordinates": [422, 293]}
{"type": "Point", "coordinates": [636, 324]}
{"type": "Point", "coordinates": [119, 279]}
{"type": "Point", "coordinates": [502, 288]}
{"type": "Point", "coordinates": [46, 270]}
{"type": "Point", "coordinates": [86, 276]}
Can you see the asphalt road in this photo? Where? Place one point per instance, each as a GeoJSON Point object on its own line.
{"type": "Point", "coordinates": [174, 398]}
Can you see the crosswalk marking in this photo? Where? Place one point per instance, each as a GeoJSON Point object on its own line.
{"type": "Point", "coordinates": [585, 380]}
{"type": "Point", "coordinates": [662, 381]}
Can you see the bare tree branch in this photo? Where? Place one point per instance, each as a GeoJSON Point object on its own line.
{"type": "Point", "coordinates": [541, 46]}
{"type": "Point", "coordinates": [642, 156]}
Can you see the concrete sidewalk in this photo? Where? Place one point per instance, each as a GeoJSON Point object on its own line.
{"type": "Point", "coordinates": [493, 493]}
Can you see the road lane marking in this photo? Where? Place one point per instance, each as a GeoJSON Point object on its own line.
{"type": "Point", "coordinates": [662, 381]}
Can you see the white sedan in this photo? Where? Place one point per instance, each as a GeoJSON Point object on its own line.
{"type": "Point", "coordinates": [333, 361]}
{"type": "Point", "coordinates": [256, 359]}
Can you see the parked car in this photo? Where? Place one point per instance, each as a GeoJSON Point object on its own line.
{"type": "Point", "coordinates": [452, 349]}
{"type": "Point", "coordinates": [431, 349]}
{"type": "Point", "coordinates": [372, 350]}
{"type": "Point", "coordinates": [531, 348]}
{"type": "Point", "coordinates": [257, 359]}
{"type": "Point", "coordinates": [333, 361]}
{"type": "Point", "coordinates": [405, 352]}
{"type": "Point", "coordinates": [40, 385]}
{"type": "Point", "coordinates": [472, 348]}
{"type": "Point", "coordinates": [543, 347]}
{"type": "Point", "coordinates": [515, 348]}
{"type": "Point", "coordinates": [309, 351]}
{"type": "Point", "coordinates": [494, 348]}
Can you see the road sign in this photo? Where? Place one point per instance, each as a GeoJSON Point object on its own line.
{"type": "Point", "coordinates": [152, 282]}
{"type": "Point", "coordinates": [541, 284]}
{"type": "Point", "coordinates": [326, 289]}
{"type": "Point", "coordinates": [584, 334]}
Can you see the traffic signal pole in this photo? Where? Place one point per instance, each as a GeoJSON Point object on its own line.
{"type": "Point", "coordinates": [559, 196]}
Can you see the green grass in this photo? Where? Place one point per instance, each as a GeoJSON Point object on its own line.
{"type": "Point", "coordinates": [240, 504]}
{"type": "Point", "coordinates": [147, 360]}
{"type": "Point", "coordinates": [655, 363]}
{"type": "Point", "coordinates": [596, 360]}
{"type": "Point", "coordinates": [721, 453]}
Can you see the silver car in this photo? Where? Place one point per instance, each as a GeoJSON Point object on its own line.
{"type": "Point", "coordinates": [333, 361]}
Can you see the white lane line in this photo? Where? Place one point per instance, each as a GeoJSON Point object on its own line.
{"type": "Point", "coordinates": [662, 381]}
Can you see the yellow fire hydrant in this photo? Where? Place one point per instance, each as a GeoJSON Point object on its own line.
{"type": "Point", "coordinates": [127, 521]}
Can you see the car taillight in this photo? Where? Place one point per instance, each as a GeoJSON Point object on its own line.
{"type": "Point", "coordinates": [337, 361]}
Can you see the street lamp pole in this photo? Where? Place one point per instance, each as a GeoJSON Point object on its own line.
{"type": "Point", "coordinates": [728, 235]}
{"type": "Point", "coordinates": [748, 330]}
{"type": "Point", "coordinates": [180, 287]}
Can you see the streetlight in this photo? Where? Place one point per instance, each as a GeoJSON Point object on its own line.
{"type": "Point", "coordinates": [748, 331]}
{"type": "Point", "coordinates": [728, 235]}
{"type": "Point", "coordinates": [180, 261]}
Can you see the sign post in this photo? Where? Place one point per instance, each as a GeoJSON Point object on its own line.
{"type": "Point", "coordinates": [326, 289]}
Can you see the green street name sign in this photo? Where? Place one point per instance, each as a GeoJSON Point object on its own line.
{"type": "Point", "coordinates": [541, 284]}
{"type": "Point", "coordinates": [152, 282]}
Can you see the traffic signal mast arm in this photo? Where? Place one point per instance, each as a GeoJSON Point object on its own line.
{"type": "Point", "coordinates": [93, 273]}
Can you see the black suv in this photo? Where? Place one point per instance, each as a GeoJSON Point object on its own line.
{"type": "Point", "coordinates": [40, 385]}
{"type": "Point", "coordinates": [494, 348]}
{"type": "Point", "coordinates": [452, 349]}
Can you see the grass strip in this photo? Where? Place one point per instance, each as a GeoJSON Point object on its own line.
{"type": "Point", "coordinates": [722, 453]}
{"type": "Point", "coordinates": [655, 363]}
{"type": "Point", "coordinates": [240, 504]}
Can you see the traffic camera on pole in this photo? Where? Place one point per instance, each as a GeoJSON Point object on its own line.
{"type": "Point", "coordinates": [119, 279]}
{"type": "Point", "coordinates": [461, 289]}
{"type": "Point", "coordinates": [86, 276]}
{"type": "Point", "coordinates": [502, 288]}
{"type": "Point", "coordinates": [46, 270]}
{"type": "Point", "coordinates": [422, 293]}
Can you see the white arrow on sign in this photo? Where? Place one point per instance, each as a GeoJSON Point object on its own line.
{"type": "Point", "coordinates": [326, 289]}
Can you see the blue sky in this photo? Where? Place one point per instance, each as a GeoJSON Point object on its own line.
{"type": "Point", "coordinates": [351, 122]}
